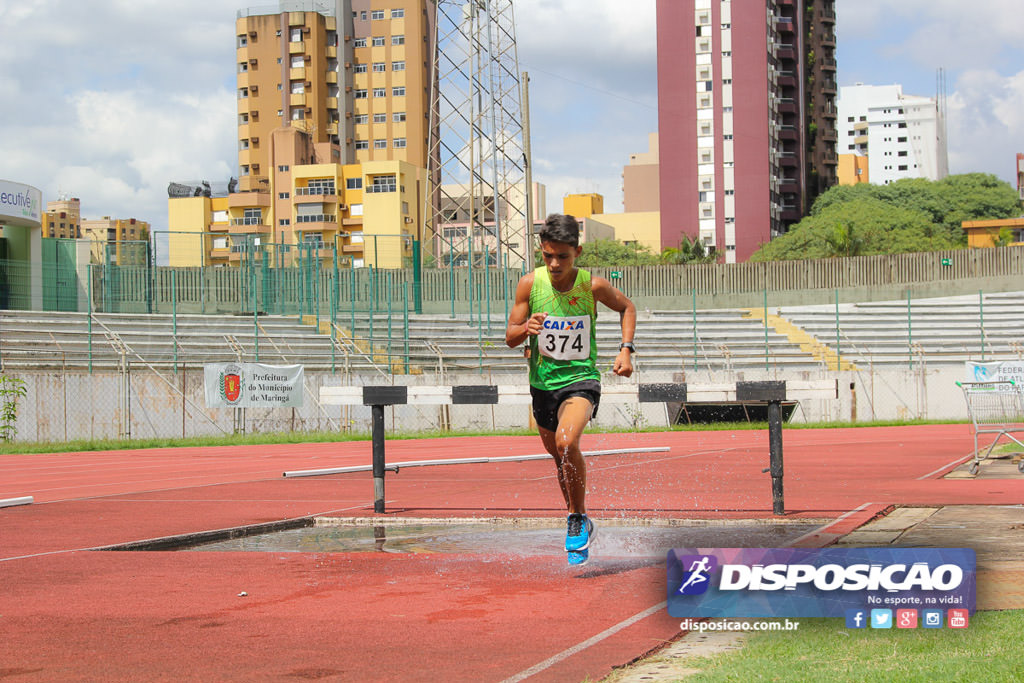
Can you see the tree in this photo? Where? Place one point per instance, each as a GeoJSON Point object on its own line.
{"type": "Point", "coordinates": [905, 216]}
{"type": "Point", "coordinates": [689, 251]}
{"type": "Point", "coordinates": [610, 253]}
{"type": "Point", "coordinates": [864, 226]}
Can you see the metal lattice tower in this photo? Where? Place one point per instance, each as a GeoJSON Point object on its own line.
{"type": "Point", "coordinates": [480, 197]}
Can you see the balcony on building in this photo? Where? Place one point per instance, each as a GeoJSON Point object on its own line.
{"type": "Point", "coordinates": [784, 25]}
{"type": "Point", "coordinates": [787, 79]}
{"type": "Point", "coordinates": [828, 39]}
{"type": "Point", "coordinates": [827, 63]}
{"type": "Point", "coordinates": [250, 198]}
{"type": "Point", "coordinates": [315, 194]}
{"type": "Point", "coordinates": [788, 133]}
{"type": "Point", "coordinates": [787, 105]}
{"type": "Point", "coordinates": [788, 159]}
{"type": "Point", "coordinates": [827, 15]}
{"type": "Point", "coordinates": [317, 222]}
{"type": "Point", "coordinates": [296, 48]}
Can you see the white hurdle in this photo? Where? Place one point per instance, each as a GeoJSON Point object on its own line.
{"type": "Point", "coordinates": [772, 393]}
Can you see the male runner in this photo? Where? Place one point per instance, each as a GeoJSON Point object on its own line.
{"type": "Point", "coordinates": [556, 310]}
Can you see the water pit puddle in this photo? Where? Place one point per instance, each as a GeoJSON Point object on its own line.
{"type": "Point", "coordinates": [628, 539]}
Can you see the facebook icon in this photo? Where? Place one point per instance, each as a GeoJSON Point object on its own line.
{"type": "Point", "coordinates": [856, 618]}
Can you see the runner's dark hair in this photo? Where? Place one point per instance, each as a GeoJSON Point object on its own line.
{"type": "Point", "coordinates": [561, 228]}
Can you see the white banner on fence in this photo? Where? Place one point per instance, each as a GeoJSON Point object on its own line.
{"type": "Point", "coordinates": [252, 385]}
{"type": "Point", "coordinates": [1003, 371]}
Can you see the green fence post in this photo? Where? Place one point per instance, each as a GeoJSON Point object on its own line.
{"type": "Point", "coordinates": [451, 276]}
{"type": "Point", "coordinates": [352, 302]}
{"type": "Point", "coordinates": [390, 275]}
{"type": "Point", "coordinates": [255, 305]}
{"type": "Point", "coordinates": [694, 308]}
{"type": "Point", "coordinates": [405, 319]}
{"type": "Point", "coordinates": [373, 298]}
{"type": "Point", "coordinates": [910, 335]}
{"type": "Point", "coordinates": [417, 276]}
{"type": "Point", "coordinates": [487, 285]}
{"type": "Point", "coordinates": [766, 329]}
{"type": "Point", "coordinates": [839, 353]}
{"type": "Point", "coordinates": [981, 317]}
{"type": "Point", "coordinates": [90, 318]}
{"type": "Point", "coordinates": [174, 316]}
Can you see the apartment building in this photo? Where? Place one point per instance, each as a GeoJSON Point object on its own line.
{"type": "Point", "coordinates": [352, 73]}
{"type": "Point", "coordinates": [333, 102]}
{"type": "Point", "coordinates": [117, 241]}
{"type": "Point", "coordinates": [747, 113]}
{"type": "Point", "coordinates": [885, 136]}
{"type": "Point", "coordinates": [63, 219]}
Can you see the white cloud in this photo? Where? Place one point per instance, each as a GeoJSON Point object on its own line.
{"type": "Point", "coordinates": [986, 123]}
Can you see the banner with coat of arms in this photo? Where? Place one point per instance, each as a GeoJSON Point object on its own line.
{"type": "Point", "coordinates": [1001, 371]}
{"type": "Point", "coordinates": [252, 385]}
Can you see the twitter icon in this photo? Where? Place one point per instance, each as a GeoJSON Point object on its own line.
{"type": "Point", "coordinates": [881, 618]}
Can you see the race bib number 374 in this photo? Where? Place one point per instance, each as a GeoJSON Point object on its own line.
{"type": "Point", "coordinates": [565, 338]}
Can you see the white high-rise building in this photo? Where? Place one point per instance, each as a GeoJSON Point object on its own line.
{"type": "Point", "coordinates": [886, 136]}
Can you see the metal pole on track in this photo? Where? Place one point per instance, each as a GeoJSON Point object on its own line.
{"type": "Point", "coordinates": [377, 412]}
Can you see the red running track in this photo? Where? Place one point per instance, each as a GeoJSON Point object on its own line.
{"type": "Point", "coordinates": [68, 613]}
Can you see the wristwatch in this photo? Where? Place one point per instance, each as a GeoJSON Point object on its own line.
{"type": "Point", "coordinates": [627, 345]}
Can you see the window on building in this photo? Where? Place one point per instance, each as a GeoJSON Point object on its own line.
{"type": "Point", "coordinates": [377, 14]}
{"type": "Point", "coordinates": [243, 41]}
{"type": "Point", "coordinates": [398, 40]}
{"type": "Point", "coordinates": [252, 216]}
{"type": "Point", "coordinates": [298, 114]}
{"type": "Point", "coordinates": [359, 93]}
{"type": "Point", "coordinates": [397, 13]}
{"type": "Point", "coordinates": [295, 35]}
{"type": "Point", "coordinates": [380, 92]}
{"type": "Point", "coordinates": [380, 144]}
{"type": "Point", "coordinates": [283, 169]}
{"type": "Point", "coordinates": [378, 41]}
{"type": "Point", "coordinates": [398, 116]}
{"type": "Point", "coordinates": [398, 91]}
{"type": "Point", "coordinates": [359, 69]}
{"type": "Point", "coordinates": [362, 144]}
{"type": "Point", "coordinates": [379, 67]}
{"type": "Point", "coordinates": [399, 143]}
{"type": "Point", "coordinates": [354, 183]}
{"type": "Point", "coordinates": [362, 15]}
{"type": "Point", "coordinates": [298, 87]}
{"type": "Point", "coordinates": [243, 67]}
{"type": "Point", "coordinates": [398, 66]}
{"type": "Point", "coordinates": [243, 93]}
{"type": "Point", "coordinates": [361, 118]}
{"type": "Point", "coordinates": [359, 42]}
{"type": "Point", "coordinates": [283, 195]}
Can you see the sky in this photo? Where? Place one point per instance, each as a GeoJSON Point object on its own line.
{"type": "Point", "coordinates": [110, 100]}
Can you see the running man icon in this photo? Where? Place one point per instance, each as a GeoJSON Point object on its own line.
{"type": "Point", "coordinates": [698, 572]}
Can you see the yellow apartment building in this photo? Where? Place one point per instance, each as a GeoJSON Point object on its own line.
{"type": "Point", "coordinates": [358, 81]}
{"type": "Point", "coordinates": [117, 241]}
{"type": "Point", "coordinates": [583, 205]}
{"type": "Point", "coordinates": [371, 211]}
{"type": "Point", "coordinates": [63, 219]}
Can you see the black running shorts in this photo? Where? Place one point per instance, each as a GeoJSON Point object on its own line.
{"type": "Point", "coordinates": [547, 403]}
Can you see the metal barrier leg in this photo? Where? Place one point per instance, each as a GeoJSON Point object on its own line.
{"type": "Point", "coordinates": [775, 455]}
{"type": "Point", "coordinates": [378, 457]}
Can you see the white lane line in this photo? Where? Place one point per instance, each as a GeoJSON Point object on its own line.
{"type": "Point", "coordinates": [565, 654]}
{"type": "Point", "coordinates": [946, 466]}
{"type": "Point", "coordinates": [835, 521]}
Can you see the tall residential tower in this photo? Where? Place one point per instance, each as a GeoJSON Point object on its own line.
{"type": "Point", "coordinates": [747, 118]}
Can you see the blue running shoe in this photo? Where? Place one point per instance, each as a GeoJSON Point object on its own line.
{"type": "Point", "coordinates": [579, 532]}
{"type": "Point", "coordinates": [578, 558]}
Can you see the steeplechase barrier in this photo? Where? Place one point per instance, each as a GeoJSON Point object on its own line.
{"type": "Point", "coordinates": [772, 393]}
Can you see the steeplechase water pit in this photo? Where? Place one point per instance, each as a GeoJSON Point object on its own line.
{"type": "Point", "coordinates": [618, 538]}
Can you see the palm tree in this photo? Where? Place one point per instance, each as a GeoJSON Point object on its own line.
{"type": "Point", "coordinates": [843, 242]}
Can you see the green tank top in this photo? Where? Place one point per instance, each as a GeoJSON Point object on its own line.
{"type": "Point", "coordinates": [565, 351]}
